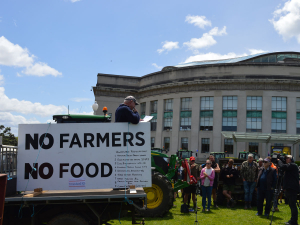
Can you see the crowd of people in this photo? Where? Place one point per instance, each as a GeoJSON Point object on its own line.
{"type": "Point", "coordinates": [260, 175]}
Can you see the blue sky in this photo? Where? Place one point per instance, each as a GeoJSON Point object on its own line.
{"type": "Point", "coordinates": [51, 51]}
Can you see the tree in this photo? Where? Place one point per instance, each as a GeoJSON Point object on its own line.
{"type": "Point", "coordinates": [7, 137]}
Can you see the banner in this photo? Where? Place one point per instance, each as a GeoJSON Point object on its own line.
{"type": "Point", "coordinates": [83, 156]}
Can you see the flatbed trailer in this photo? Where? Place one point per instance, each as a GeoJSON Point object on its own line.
{"type": "Point", "coordinates": [94, 206]}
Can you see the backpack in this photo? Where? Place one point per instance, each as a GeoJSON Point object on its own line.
{"type": "Point", "coordinates": [184, 208]}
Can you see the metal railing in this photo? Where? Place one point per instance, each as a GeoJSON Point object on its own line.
{"type": "Point", "coordinates": [8, 160]}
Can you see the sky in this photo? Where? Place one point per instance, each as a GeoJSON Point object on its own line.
{"type": "Point", "coordinates": [52, 50]}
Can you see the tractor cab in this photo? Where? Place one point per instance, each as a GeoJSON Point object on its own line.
{"type": "Point", "coordinates": [218, 155]}
{"type": "Point", "coordinates": [159, 150]}
{"type": "Point", "coordinates": [184, 154]}
{"type": "Point", "coordinates": [244, 155]}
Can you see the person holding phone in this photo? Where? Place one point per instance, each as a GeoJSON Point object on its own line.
{"type": "Point", "coordinates": [126, 111]}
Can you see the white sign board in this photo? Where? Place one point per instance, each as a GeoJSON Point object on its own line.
{"type": "Point", "coordinates": [83, 156]}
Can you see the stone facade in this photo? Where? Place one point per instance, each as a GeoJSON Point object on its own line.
{"type": "Point", "coordinates": [216, 81]}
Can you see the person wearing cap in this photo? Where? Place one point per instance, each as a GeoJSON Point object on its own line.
{"type": "Point", "coordinates": [126, 111]}
{"type": "Point", "coordinates": [260, 163]}
{"type": "Point", "coordinates": [249, 172]}
{"type": "Point", "coordinates": [291, 186]}
{"type": "Point", "coordinates": [195, 171]}
{"type": "Point", "coordinates": [266, 183]}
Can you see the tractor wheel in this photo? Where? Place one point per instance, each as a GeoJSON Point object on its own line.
{"type": "Point", "coordinates": [220, 196]}
{"type": "Point", "coordinates": [68, 219]}
{"type": "Point", "coordinates": [159, 197]}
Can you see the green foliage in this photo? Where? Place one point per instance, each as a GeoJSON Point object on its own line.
{"type": "Point", "coordinates": [7, 137]}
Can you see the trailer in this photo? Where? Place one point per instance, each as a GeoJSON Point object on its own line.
{"type": "Point", "coordinates": [77, 207]}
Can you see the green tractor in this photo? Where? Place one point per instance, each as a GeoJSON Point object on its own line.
{"type": "Point", "coordinates": [160, 196]}
{"type": "Point", "coordinates": [244, 155]}
{"type": "Point", "coordinates": [218, 155]}
{"type": "Point", "coordinates": [184, 154]}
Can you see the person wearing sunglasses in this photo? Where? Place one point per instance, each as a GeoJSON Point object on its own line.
{"type": "Point", "coordinates": [126, 111]}
{"type": "Point", "coordinates": [207, 177]}
{"type": "Point", "coordinates": [229, 174]}
{"type": "Point", "coordinates": [266, 183]}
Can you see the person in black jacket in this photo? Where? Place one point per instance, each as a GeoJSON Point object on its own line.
{"type": "Point", "coordinates": [266, 183]}
{"type": "Point", "coordinates": [126, 112]}
{"type": "Point", "coordinates": [228, 174]}
{"type": "Point", "coordinates": [291, 186]}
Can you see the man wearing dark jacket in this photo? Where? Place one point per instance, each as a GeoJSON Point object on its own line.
{"type": "Point", "coordinates": [228, 175]}
{"type": "Point", "coordinates": [291, 185]}
{"type": "Point", "coordinates": [126, 112]}
{"type": "Point", "coordinates": [266, 182]}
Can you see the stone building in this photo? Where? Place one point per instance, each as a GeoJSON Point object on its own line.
{"type": "Point", "coordinates": [193, 103]}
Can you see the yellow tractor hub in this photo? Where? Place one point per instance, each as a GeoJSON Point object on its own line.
{"type": "Point", "coordinates": [154, 196]}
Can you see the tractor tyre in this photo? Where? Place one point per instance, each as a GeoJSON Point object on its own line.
{"type": "Point", "coordinates": [68, 219]}
{"type": "Point", "coordinates": [220, 197]}
{"type": "Point", "coordinates": [159, 197]}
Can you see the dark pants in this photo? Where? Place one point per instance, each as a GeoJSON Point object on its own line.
{"type": "Point", "coordinates": [249, 188]}
{"type": "Point", "coordinates": [206, 193]}
{"type": "Point", "coordinates": [261, 196]}
{"type": "Point", "coordinates": [291, 195]}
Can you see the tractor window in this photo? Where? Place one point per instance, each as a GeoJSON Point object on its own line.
{"type": "Point", "coordinates": [185, 155]}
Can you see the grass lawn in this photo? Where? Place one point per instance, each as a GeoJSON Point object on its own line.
{"type": "Point", "coordinates": [222, 216]}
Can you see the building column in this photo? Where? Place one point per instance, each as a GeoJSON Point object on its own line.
{"type": "Point", "coordinates": [147, 110]}
{"type": "Point", "coordinates": [159, 126]}
{"type": "Point", "coordinates": [291, 119]}
{"type": "Point", "coordinates": [175, 126]}
{"type": "Point", "coordinates": [195, 125]}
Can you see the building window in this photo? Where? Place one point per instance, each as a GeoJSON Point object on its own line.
{"type": "Point", "coordinates": [153, 122]}
{"type": "Point", "coordinates": [185, 143]}
{"type": "Point", "coordinates": [278, 125]}
{"type": "Point", "coordinates": [143, 110]}
{"type": "Point", "coordinates": [228, 146]}
{"type": "Point", "coordinates": [229, 102]}
{"type": "Point", "coordinates": [298, 115]}
{"type": "Point", "coordinates": [167, 143]}
{"type": "Point", "coordinates": [168, 105]}
{"type": "Point", "coordinates": [278, 114]}
{"type": "Point", "coordinates": [254, 103]}
{"type": "Point", "coordinates": [279, 104]}
{"type": "Point", "coordinates": [185, 123]}
{"type": "Point", "coordinates": [204, 145]}
{"type": "Point", "coordinates": [206, 113]}
{"type": "Point", "coordinates": [153, 106]}
{"type": "Point", "coordinates": [168, 123]}
{"type": "Point", "coordinates": [186, 104]}
{"type": "Point", "coordinates": [253, 147]}
{"type": "Point", "coordinates": [152, 142]}
{"type": "Point", "coordinates": [229, 121]}
{"type": "Point", "coordinates": [186, 114]}
{"type": "Point", "coordinates": [254, 113]}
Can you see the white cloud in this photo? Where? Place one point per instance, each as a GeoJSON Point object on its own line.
{"type": "Point", "coordinates": [14, 55]}
{"type": "Point", "coordinates": [81, 99]}
{"type": "Point", "coordinates": [199, 21]}
{"type": "Point", "coordinates": [256, 51]}
{"type": "Point", "coordinates": [75, 1]}
{"type": "Point", "coordinates": [206, 40]}
{"type": "Point", "coordinates": [41, 69]}
{"type": "Point", "coordinates": [15, 23]}
{"type": "Point", "coordinates": [212, 56]}
{"type": "Point", "coordinates": [286, 20]}
{"type": "Point", "coordinates": [9, 120]}
{"type": "Point", "coordinates": [156, 66]}
{"type": "Point", "coordinates": [1, 79]}
{"type": "Point", "coordinates": [168, 46]}
{"type": "Point", "coordinates": [27, 107]}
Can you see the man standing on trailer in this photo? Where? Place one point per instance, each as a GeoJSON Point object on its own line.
{"type": "Point", "coordinates": [126, 112]}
